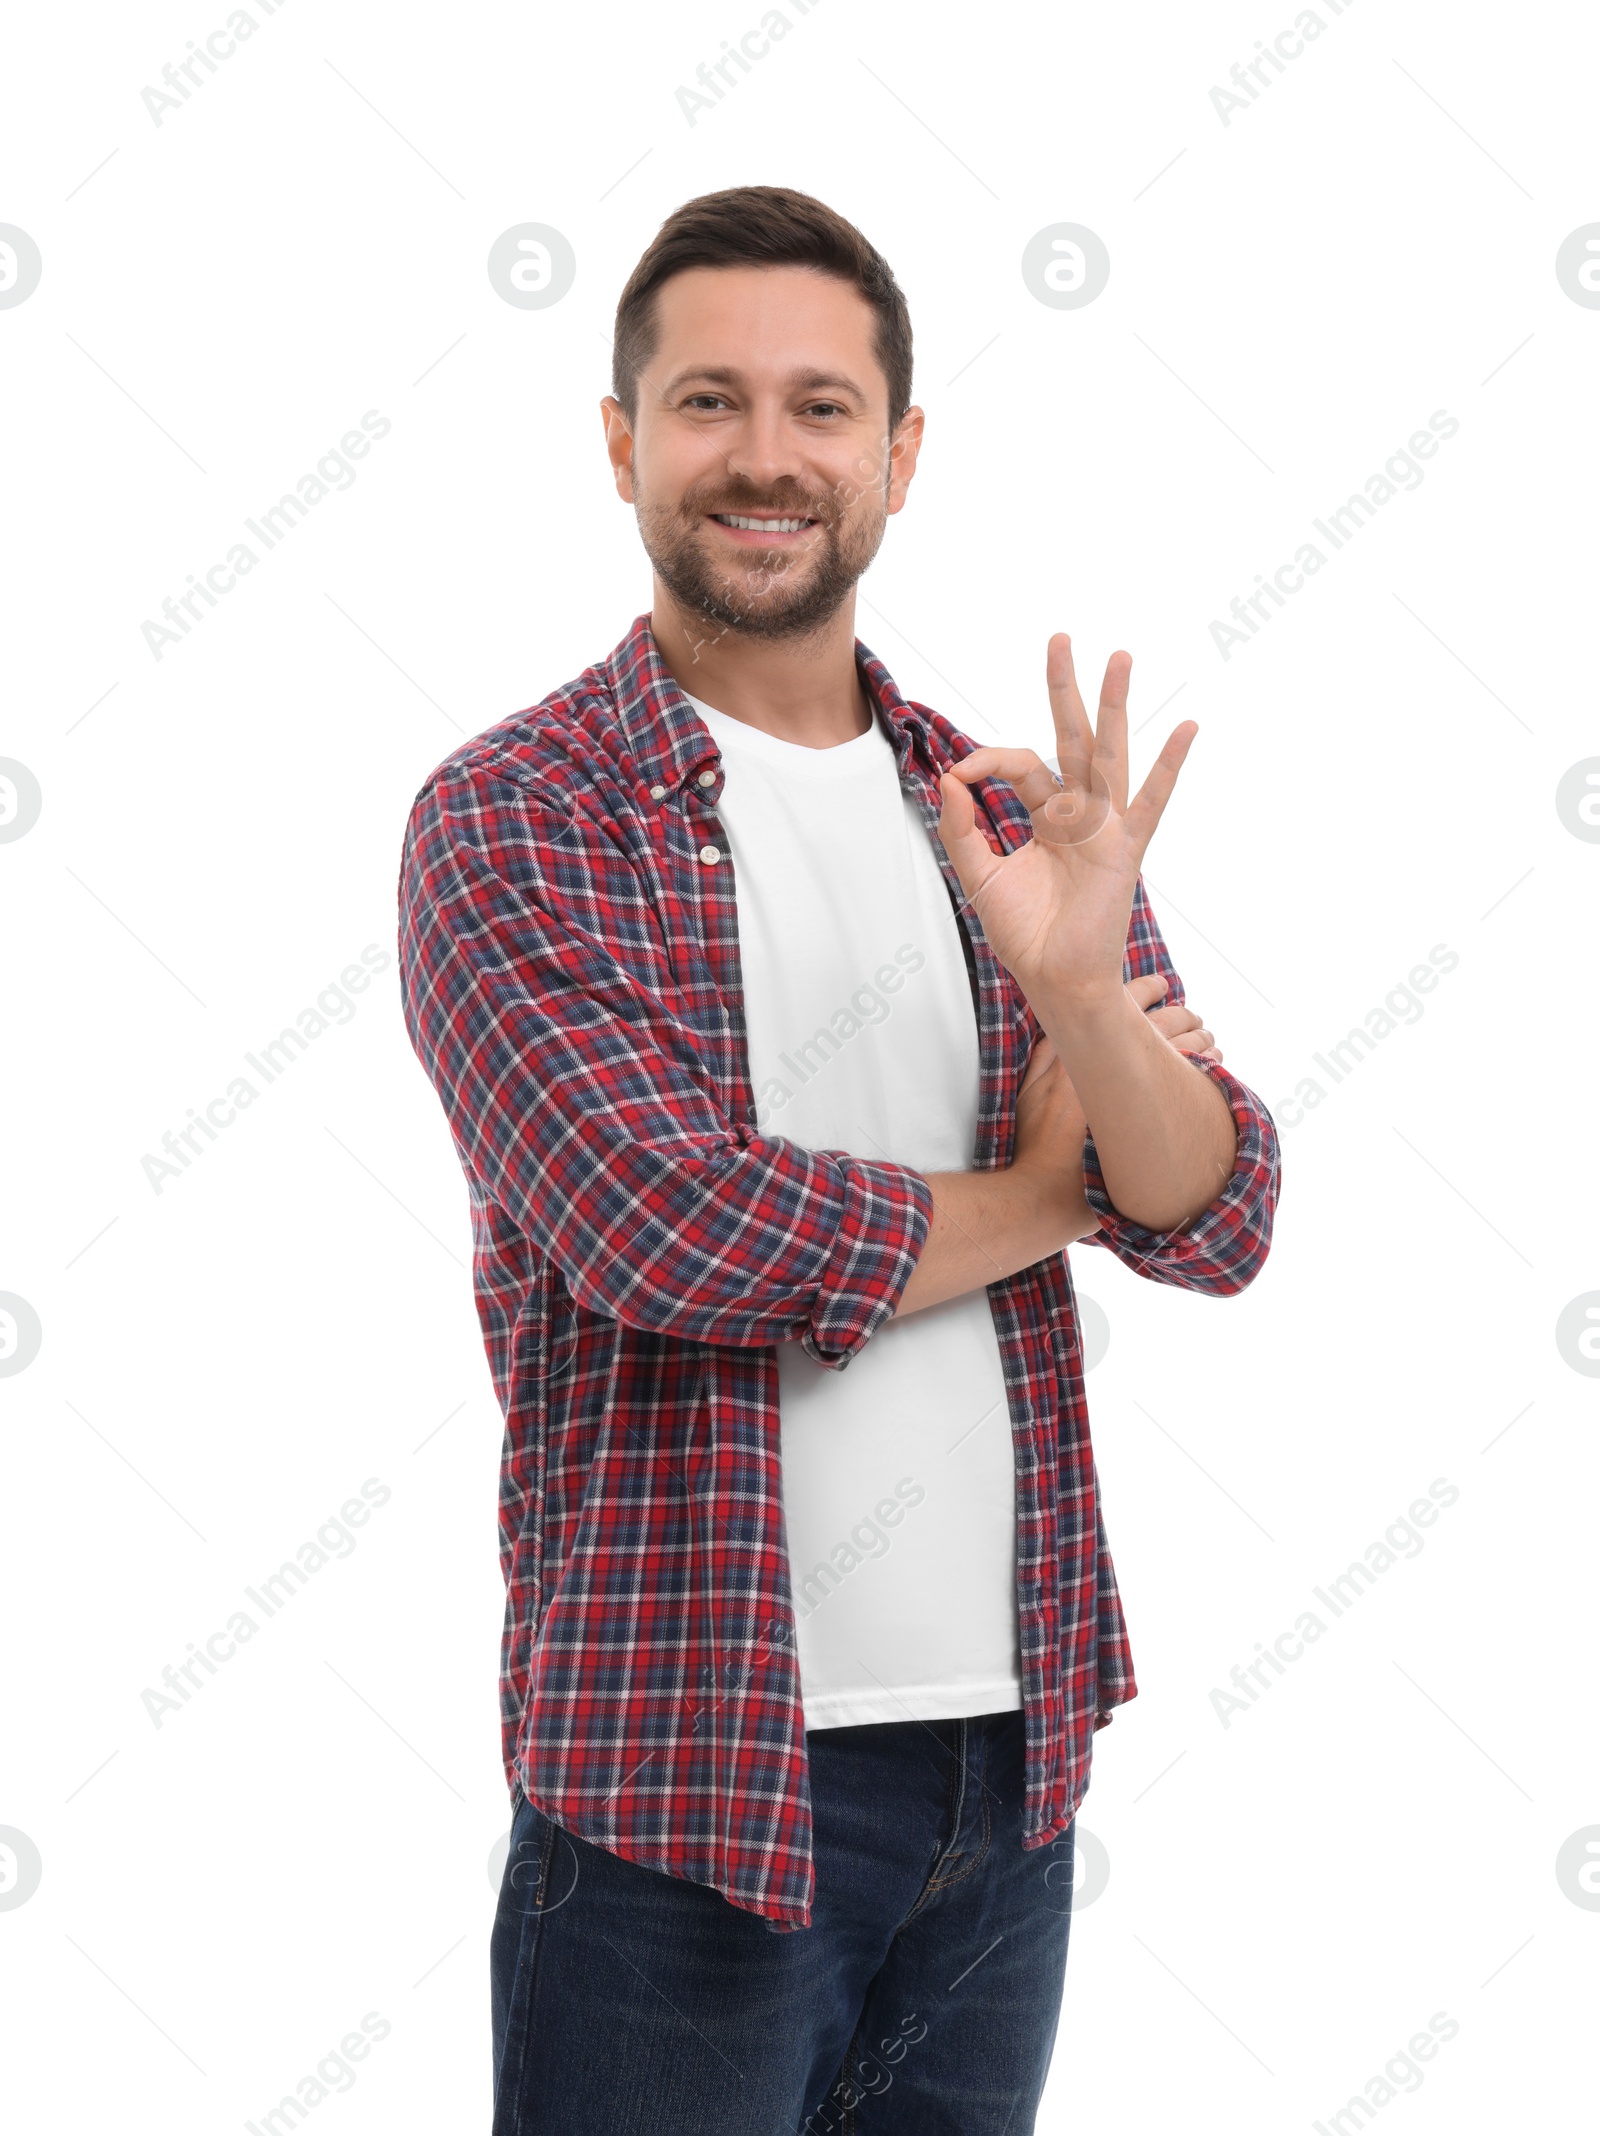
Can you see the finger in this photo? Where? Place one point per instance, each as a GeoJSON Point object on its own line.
{"type": "Point", "coordinates": [1173, 1016]}
{"type": "Point", "coordinates": [1111, 729]}
{"type": "Point", "coordinates": [1200, 1041]}
{"type": "Point", "coordinates": [1022, 769]}
{"type": "Point", "coordinates": [1063, 810]}
{"type": "Point", "coordinates": [1147, 989]}
{"type": "Point", "coordinates": [1074, 738]}
{"type": "Point", "coordinates": [1144, 810]}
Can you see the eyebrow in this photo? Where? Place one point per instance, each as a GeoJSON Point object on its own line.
{"type": "Point", "coordinates": [800, 380]}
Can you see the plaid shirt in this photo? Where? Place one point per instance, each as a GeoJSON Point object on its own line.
{"type": "Point", "coordinates": [569, 953]}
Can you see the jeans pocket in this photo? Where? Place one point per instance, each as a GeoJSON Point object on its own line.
{"type": "Point", "coordinates": [527, 1871]}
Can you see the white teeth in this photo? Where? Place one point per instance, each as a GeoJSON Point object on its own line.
{"type": "Point", "coordinates": [762, 526]}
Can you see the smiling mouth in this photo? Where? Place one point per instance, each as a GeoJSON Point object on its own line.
{"type": "Point", "coordinates": [743, 524]}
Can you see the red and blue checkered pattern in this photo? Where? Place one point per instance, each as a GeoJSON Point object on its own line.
{"type": "Point", "coordinates": [570, 970]}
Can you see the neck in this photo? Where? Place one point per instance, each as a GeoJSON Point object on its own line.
{"type": "Point", "coordinates": [806, 690]}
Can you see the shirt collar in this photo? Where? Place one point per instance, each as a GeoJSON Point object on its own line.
{"type": "Point", "coordinates": [669, 741]}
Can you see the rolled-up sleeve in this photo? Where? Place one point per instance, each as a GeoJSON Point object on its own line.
{"type": "Point", "coordinates": [578, 1095]}
{"type": "Point", "coordinates": [1223, 1248]}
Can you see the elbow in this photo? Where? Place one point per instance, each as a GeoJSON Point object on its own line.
{"type": "Point", "coordinates": [1248, 1250]}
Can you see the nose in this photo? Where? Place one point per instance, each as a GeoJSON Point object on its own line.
{"type": "Point", "coordinates": [763, 450]}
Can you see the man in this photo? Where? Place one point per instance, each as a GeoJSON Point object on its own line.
{"type": "Point", "coordinates": [787, 1041]}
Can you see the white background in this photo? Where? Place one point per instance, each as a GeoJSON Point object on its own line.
{"type": "Point", "coordinates": [224, 1362]}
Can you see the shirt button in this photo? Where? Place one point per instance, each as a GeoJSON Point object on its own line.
{"type": "Point", "coordinates": [656, 792]}
{"type": "Point", "coordinates": [710, 855]}
{"type": "Point", "coordinates": [708, 778]}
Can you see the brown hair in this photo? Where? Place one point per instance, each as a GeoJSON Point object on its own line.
{"type": "Point", "coordinates": [760, 226]}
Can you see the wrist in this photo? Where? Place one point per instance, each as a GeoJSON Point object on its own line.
{"type": "Point", "coordinates": [1047, 1195]}
{"type": "Point", "coordinates": [1067, 1013]}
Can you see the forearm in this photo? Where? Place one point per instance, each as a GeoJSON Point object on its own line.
{"type": "Point", "coordinates": [1163, 1130]}
{"type": "Point", "coordinates": [987, 1225]}
{"type": "Point", "coordinates": [582, 1110]}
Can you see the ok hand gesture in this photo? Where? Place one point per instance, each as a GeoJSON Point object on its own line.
{"type": "Point", "coordinates": [1056, 911]}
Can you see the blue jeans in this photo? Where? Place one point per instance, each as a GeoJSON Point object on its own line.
{"type": "Point", "coordinates": [922, 2001]}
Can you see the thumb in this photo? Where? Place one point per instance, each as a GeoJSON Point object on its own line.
{"type": "Point", "coordinates": [970, 853]}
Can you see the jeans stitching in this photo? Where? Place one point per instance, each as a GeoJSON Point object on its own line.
{"type": "Point", "coordinates": [524, 1978]}
{"type": "Point", "coordinates": [932, 1884]}
{"type": "Point", "coordinates": [943, 1883]}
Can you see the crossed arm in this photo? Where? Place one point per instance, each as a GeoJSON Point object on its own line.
{"type": "Point", "coordinates": [1056, 912]}
{"type": "Point", "coordinates": [987, 1225]}
{"type": "Point", "coordinates": [578, 1096]}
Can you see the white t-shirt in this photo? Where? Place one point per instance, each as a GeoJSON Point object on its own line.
{"type": "Point", "coordinates": [899, 1478]}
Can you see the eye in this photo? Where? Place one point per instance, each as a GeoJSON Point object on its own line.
{"type": "Point", "coordinates": [826, 408]}
{"type": "Point", "coordinates": [705, 400]}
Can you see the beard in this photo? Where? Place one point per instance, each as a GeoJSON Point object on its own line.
{"type": "Point", "coordinates": [786, 591]}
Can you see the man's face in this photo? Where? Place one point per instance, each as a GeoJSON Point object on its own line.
{"type": "Point", "coordinates": [764, 400]}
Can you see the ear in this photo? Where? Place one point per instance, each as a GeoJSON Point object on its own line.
{"type": "Point", "coordinates": [619, 445]}
{"type": "Point", "coordinates": [903, 449]}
